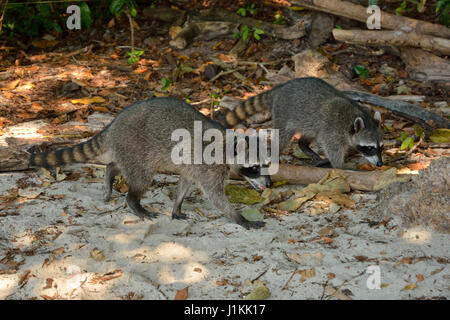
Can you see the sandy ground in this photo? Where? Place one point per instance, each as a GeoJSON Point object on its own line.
{"type": "Point", "coordinates": [62, 241]}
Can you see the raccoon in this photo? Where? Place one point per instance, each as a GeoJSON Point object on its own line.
{"type": "Point", "coordinates": [138, 143]}
{"type": "Point", "coordinates": [319, 112]}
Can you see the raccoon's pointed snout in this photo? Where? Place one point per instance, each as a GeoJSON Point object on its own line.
{"type": "Point", "coordinates": [260, 183]}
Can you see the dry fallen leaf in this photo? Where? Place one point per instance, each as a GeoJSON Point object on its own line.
{"type": "Point", "coordinates": [9, 86]}
{"type": "Point", "coordinates": [410, 286]}
{"type": "Point", "coordinates": [307, 274]}
{"type": "Point", "coordinates": [88, 100]}
{"type": "Point", "coordinates": [419, 277]}
{"type": "Point", "coordinates": [182, 294]}
{"type": "Point", "coordinates": [259, 293]}
{"type": "Point", "coordinates": [97, 255]}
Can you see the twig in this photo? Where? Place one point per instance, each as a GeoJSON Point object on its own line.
{"type": "Point", "coordinates": [263, 273]}
{"type": "Point", "coordinates": [222, 73]}
{"type": "Point", "coordinates": [3, 14]}
{"type": "Point", "coordinates": [287, 282]}
{"type": "Point", "coordinates": [130, 19]}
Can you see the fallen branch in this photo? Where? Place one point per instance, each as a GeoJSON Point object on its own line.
{"type": "Point", "coordinates": [388, 21]}
{"type": "Point", "coordinates": [358, 180]}
{"type": "Point", "coordinates": [403, 109]}
{"type": "Point", "coordinates": [396, 38]}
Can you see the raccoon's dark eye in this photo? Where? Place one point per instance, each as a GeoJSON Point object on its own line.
{"type": "Point", "coordinates": [367, 150]}
{"type": "Point", "coordinates": [250, 171]}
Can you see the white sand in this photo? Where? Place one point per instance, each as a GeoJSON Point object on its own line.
{"type": "Point", "coordinates": [157, 258]}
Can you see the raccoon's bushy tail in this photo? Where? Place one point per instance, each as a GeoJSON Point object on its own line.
{"type": "Point", "coordinates": [78, 153]}
{"type": "Point", "coordinates": [244, 110]}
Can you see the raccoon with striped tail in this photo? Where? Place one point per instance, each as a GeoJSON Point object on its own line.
{"type": "Point", "coordinates": [319, 112]}
{"type": "Point", "coordinates": [138, 144]}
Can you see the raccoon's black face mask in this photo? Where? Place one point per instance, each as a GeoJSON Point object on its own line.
{"type": "Point", "coordinates": [367, 138]}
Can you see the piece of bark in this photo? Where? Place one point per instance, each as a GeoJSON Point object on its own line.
{"type": "Point", "coordinates": [388, 21]}
{"type": "Point", "coordinates": [395, 38]}
{"type": "Point", "coordinates": [424, 66]}
{"type": "Point", "coordinates": [403, 109]}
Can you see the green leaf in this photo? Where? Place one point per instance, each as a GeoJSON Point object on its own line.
{"type": "Point", "coordinates": [133, 11]}
{"type": "Point", "coordinates": [245, 34]}
{"type": "Point", "coordinates": [259, 31]}
{"type": "Point", "coordinates": [407, 143]}
{"type": "Point", "coordinates": [116, 6]}
{"type": "Point", "coordinates": [362, 71]}
{"type": "Point", "coordinates": [86, 18]}
{"type": "Point", "coordinates": [242, 12]}
{"type": "Point", "coordinates": [242, 195]}
{"type": "Point", "coordinates": [166, 83]}
{"type": "Point", "coordinates": [252, 214]}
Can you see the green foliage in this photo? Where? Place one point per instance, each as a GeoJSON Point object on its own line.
{"type": "Point", "coordinates": [408, 141]}
{"type": "Point", "coordinates": [86, 17]}
{"type": "Point", "coordinates": [32, 19]}
{"type": "Point", "coordinates": [248, 9]}
{"type": "Point", "coordinates": [166, 83]}
{"type": "Point", "coordinates": [215, 99]}
{"type": "Point", "coordinates": [443, 6]}
{"type": "Point", "coordinates": [362, 71]}
{"type": "Point", "coordinates": [245, 30]}
{"type": "Point", "coordinates": [118, 6]}
{"type": "Point", "coordinates": [280, 19]}
{"type": "Point", "coordinates": [134, 56]}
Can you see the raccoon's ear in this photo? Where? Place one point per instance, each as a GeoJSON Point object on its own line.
{"type": "Point", "coordinates": [377, 118]}
{"type": "Point", "coordinates": [358, 125]}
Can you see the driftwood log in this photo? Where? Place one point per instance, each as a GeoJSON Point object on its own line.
{"type": "Point", "coordinates": [358, 180]}
{"type": "Point", "coordinates": [407, 110]}
{"type": "Point", "coordinates": [388, 21]}
{"type": "Point", "coordinates": [424, 66]}
{"type": "Point", "coordinates": [16, 159]}
{"type": "Point", "coordinates": [214, 23]}
{"type": "Point", "coordinates": [395, 38]}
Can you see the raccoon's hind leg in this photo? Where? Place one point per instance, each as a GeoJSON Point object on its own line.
{"type": "Point", "coordinates": [134, 202]}
{"type": "Point", "coordinates": [304, 143]}
{"type": "Point", "coordinates": [111, 171]}
{"type": "Point", "coordinates": [183, 188]}
{"type": "Point", "coordinates": [214, 190]}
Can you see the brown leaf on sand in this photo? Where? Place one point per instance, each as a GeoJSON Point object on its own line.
{"type": "Point", "coordinates": [419, 277]}
{"type": "Point", "coordinates": [410, 286]}
{"type": "Point", "coordinates": [49, 283]}
{"type": "Point", "coordinates": [182, 294]}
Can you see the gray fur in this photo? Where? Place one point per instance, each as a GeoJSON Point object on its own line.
{"type": "Point", "coordinates": [139, 144]}
{"type": "Point", "coordinates": [320, 113]}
